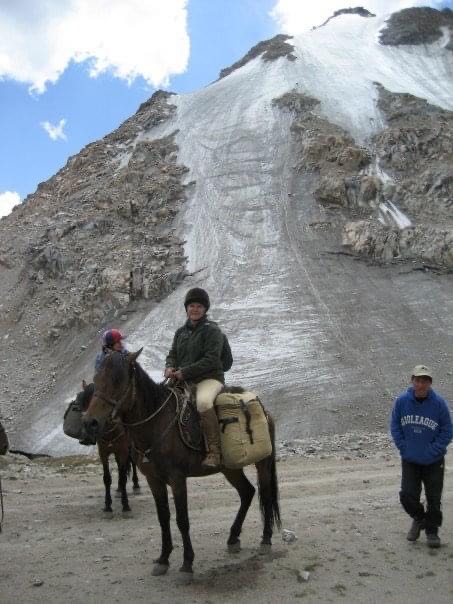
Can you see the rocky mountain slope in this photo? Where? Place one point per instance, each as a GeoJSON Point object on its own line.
{"type": "Point", "coordinates": [310, 189]}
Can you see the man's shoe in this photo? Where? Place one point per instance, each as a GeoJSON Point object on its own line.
{"type": "Point", "coordinates": [433, 540]}
{"type": "Point", "coordinates": [414, 531]}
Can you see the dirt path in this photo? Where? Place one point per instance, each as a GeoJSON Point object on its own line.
{"type": "Point", "coordinates": [58, 546]}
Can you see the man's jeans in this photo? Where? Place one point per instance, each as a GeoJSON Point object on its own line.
{"type": "Point", "coordinates": [414, 476]}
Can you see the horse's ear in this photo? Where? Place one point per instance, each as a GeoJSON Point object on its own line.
{"type": "Point", "coordinates": [133, 356]}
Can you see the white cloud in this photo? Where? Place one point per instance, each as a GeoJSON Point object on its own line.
{"type": "Point", "coordinates": [295, 16]}
{"type": "Point", "coordinates": [55, 132]}
{"type": "Point", "coordinates": [145, 38]}
{"type": "Point", "coordinates": [8, 200]}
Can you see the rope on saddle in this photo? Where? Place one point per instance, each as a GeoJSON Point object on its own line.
{"type": "Point", "coordinates": [185, 414]}
{"type": "Point", "coordinates": [182, 416]}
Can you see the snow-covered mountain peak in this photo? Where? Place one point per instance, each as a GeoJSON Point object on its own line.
{"type": "Point", "coordinates": [266, 188]}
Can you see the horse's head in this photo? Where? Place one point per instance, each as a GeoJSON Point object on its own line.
{"type": "Point", "coordinates": [113, 391]}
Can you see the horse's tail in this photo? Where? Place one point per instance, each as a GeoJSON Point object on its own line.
{"type": "Point", "coordinates": [268, 483]}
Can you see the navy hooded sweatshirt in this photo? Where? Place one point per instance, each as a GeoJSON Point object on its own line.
{"type": "Point", "coordinates": [421, 430]}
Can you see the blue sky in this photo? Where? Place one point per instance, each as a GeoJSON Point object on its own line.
{"type": "Point", "coordinates": [72, 70]}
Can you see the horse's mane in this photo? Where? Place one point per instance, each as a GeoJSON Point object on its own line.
{"type": "Point", "coordinates": [152, 392]}
{"type": "Point", "coordinates": [117, 363]}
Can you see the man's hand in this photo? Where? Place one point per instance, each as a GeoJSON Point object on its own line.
{"type": "Point", "coordinates": [169, 373]}
{"type": "Point", "coordinates": [177, 375]}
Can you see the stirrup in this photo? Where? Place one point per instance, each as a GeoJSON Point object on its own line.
{"type": "Point", "coordinates": [209, 462]}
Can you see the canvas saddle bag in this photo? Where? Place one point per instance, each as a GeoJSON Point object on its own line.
{"type": "Point", "coordinates": [72, 420]}
{"type": "Point", "coordinates": [244, 429]}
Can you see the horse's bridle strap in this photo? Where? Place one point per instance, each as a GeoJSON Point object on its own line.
{"type": "Point", "coordinates": [111, 401]}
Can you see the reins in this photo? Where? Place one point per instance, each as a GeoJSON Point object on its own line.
{"type": "Point", "coordinates": [147, 419]}
{"type": "Point", "coordinates": [116, 404]}
{"type": "Point", "coordinates": [149, 450]}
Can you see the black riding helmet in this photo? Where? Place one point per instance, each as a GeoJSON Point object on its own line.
{"type": "Point", "coordinates": [196, 294]}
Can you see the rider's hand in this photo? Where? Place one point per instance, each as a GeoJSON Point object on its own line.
{"type": "Point", "coordinates": [169, 372]}
{"type": "Point", "coordinates": [177, 375]}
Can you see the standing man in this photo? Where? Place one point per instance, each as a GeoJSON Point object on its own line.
{"type": "Point", "coordinates": [422, 430]}
{"type": "Point", "coordinates": [195, 356]}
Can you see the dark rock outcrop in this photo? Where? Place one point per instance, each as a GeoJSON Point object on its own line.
{"type": "Point", "coordinates": [270, 50]}
{"type": "Point", "coordinates": [358, 10]}
{"type": "Point", "coordinates": [394, 197]}
{"type": "Point", "coordinates": [416, 151]}
{"type": "Point", "coordinates": [422, 25]}
{"type": "Point", "coordinates": [325, 149]}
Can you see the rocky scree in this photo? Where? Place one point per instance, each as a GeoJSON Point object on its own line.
{"type": "Point", "coordinates": [92, 245]}
{"type": "Point", "coordinates": [406, 166]}
{"type": "Point", "coordinates": [416, 153]}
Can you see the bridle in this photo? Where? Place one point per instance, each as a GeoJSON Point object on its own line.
{"type": "Point", "coordinates": [116, 404]}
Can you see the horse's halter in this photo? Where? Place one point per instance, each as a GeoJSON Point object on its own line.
{"type": "Point", "coordinates": [116, 404]}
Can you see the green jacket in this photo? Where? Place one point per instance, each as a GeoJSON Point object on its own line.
{"type": "Point", "coordinates": [196, 351]}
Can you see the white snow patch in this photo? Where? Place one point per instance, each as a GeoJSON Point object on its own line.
{"type": "Point", "coordinates": [382, 174]}
{"type": "Point", "coordinates": [389, 214]}
{"type": "Point", "coordinates": [340, 63]}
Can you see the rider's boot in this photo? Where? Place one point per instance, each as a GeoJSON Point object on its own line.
{"type": "Point", "coordinates": [210, 426]}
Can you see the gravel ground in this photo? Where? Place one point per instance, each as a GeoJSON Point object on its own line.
{"type": "Point", "coordinates": [341, 502]}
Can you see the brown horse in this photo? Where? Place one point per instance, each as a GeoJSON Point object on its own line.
{"type": "Point", "coordinates": [114, 441]}
{"type": "Point", "coordinates": [124, 389]}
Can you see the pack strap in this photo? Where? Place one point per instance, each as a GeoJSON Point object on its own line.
{"type": "Point", "coordinates": [248, 419]}
{"type": "Point", "coordinates": [226, 421]}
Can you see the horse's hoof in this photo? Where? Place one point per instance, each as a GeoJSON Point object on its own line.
{"type": "Point", "coordinates": [159, 569]}
{"type": "Point", "coordinates": [265, 548]}
{"type": "Point", "coordinates": [234, 548]}
{"type": "Point", "coordinates": [108, 510]}
{"type": "Point", "coordinates": [127, 512]}
{"type": "Point", "coordinates": [184, 577]}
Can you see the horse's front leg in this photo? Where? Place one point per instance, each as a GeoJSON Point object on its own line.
{"type": "Point", "coordinates": [134, 475]}
{"type": "Point", "coordinates": [122, 481]}
{"type": "Point", "coordinates": [179, 488]}
{"type": "Point", "coordinates": [160, 494]}
{"type": "Point", "coordinates": [107, 482]}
